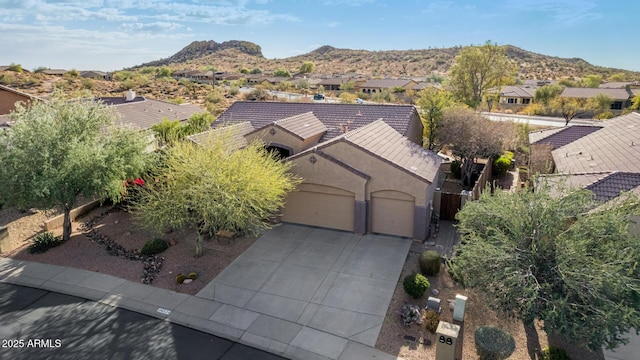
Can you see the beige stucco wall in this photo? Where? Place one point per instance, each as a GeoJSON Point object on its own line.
{"type": "Point", "coordinates": [282, 137]}
{"type": "Point", "coordinates": [327, 173]}
{"type": "Point", "coordinates": [8, 100]}
{"type": "Point", "coordinates": [384, 176]}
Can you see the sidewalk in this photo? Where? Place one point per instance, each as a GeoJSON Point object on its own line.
{"type": "Point", "coordinates": [223, 320]}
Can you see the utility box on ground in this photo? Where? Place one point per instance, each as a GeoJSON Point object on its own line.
{"type": "Point", "coordinates": [460, 305]}
{"type": "Point", "coordinates": [447, 341]}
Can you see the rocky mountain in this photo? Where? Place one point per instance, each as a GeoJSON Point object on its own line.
{"type": "Point", "coordinates": [234, 55]}
{"type": "Point", "coordinates": [201, 49]}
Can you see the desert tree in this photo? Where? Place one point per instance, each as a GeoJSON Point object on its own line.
{"type": "Point", "coordinates": [591, 81]}
{"type": "Point", "coordinates": [545, 94]}
{"type": "Point", "coordinates": [469, 136]}
{"type": "Point", "coordinates": [214, 187]}
{"type": "Point", "coordinates": [558, 256]}
{"type": "Point", "coordinates": [307, 67]}
{"type": "Point", "coordinates": [60, 150]}
{"type": "Point", "coordinates": [282, 72]}
{"type": "Point", "coordinates": [431, 105]}
{"type": "Point", "coordinates": [570, 108]}
{"type": "Point", "coordinates": [477, 69]}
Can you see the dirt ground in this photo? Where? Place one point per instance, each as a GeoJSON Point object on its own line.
{"type": "Point", "coordinates": [82, 253]}
{"type": "Point", "coordinates": [393, 335]}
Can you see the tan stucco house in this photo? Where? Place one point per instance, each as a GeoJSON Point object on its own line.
{"type": "Point", "coordinates": [10, 96]}
{"type": "Point", "coordinates": [364, 168]}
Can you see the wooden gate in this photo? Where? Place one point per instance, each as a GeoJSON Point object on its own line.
{"type": "Point", "coordinates": [449, 206]}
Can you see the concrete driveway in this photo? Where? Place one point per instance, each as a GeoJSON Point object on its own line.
{"type": "Point", "coordinates": [306, 291]}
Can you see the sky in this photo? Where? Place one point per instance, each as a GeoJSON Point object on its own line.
{"type": "Point", "coordinates": [114, 34]}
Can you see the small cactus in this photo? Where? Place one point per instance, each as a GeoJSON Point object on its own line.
{"type": "Point", "coordinates": [180, 278]}
{"type": "Point", "coordinates": [192, 275]}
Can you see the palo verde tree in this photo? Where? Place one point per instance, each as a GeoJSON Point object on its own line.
{"type": "Point", "coordinates": [478, 69]}
{"type": "Point", "coordinates": [558, 256]}
{"type": "Point", "coordinates": [569, 108]}
{"type": "Point", "coordinates": [307, 67]}
{"type": "Point", "coordinates": [213, 187]}
{"type": "Point", "coordinates": [432, 103]}
{"type": "Point", "coordinates": [62, 149]}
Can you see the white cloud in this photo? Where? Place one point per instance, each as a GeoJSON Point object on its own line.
{"type": "Point", "coordinates": [333, 24]}
{"type": "Point", "coordinates": [564, 12]}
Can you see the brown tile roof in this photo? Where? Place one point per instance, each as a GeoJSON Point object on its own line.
{"type": "Point", "coordinates": [303, 126]}
{"type": "Point", "coordinates": [615, 147]}
{"type": "Point", "coordinates": [382, 141]}
{"type": "Point", "coordinates": [336, 117]}
{"type": "Point", "coordinates": [333, 81]}
{"type": "Point", "coordinates": [562, 136]}
{"type": "Point", "coordinates": [424, 85]}
{"type": "Point", "coordinates": [387, 83]}
{"type": "Point", "coordinates": [615, 94]}
{"type": "Point", "coordinates": [616, 84]}
{"type": "Point", "coordinates": [237, 133]}
{"type": "Point", "coordinates": [518, 91]}
{"type": "Point", "coordinates": [146, 113]}
{"type": "Point", "coordinates": [611, 186]}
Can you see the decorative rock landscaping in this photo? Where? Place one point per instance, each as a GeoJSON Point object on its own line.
{"type": "Point", "coordinates": [151, 263]}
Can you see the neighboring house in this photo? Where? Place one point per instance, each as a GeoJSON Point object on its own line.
{"type": "Point", "coordinates": [332, 84]}
{"type": "Point", "coordinates": [424, 85]}
{"type": "Point", "coordinates": [621, 97]}
{"type": "Point", "coordinates": [517, 94]}
{"type": "Point", "coordinates": [364, 168]}
{"type": "Point", "coordinates": [619, 84]}
{"type": "Point", "coordinates": [203, 77]}
{"type": "Point", "coordinates": [56, 72]}
{"type": "Point", "coordinates": [143, 113]}
{"type": "Point", "coordinates": [379, 85]}
{"type": "Point", "coordinates": [604, 159]}
{"type": "Point", "coordinates": [10, 96]}
{"type": "Point", "coordinates": [97, 75]}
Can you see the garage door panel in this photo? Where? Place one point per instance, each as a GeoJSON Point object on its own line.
{"type": "Point", "coordinates": [392, 216]}
{"type": "Point", "coordinates": [320, 209]}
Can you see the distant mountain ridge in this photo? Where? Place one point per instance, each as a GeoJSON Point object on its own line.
{"type": "Point", "coordinates": [200, 49]}
{"type": "Point", "coordinates": [231, 56]}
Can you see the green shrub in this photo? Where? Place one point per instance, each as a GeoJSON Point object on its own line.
{"type": "Point", "coordinates": [493, 343]}
{"type": "Point", "coordinates": [415, 285]}
{"type": "Point", "coordinates": [431, 320]}
{"type": "Point", "coordinates": [502, 164]}
{"type": "Point", "coordinates": [180, 278]}
{"type": "Point", "coordinates": [456, 168]}
{"type": "Point", "coordinates": [605, 115]}
{"type": "Point", "coordinates": [192, 276]}
{"type": "Point", "coordinates": [429, 263]}
{"type": "Point", "coordinates": [154, 246]}
{"type": "Point", "coordinates": [554, 353]}
{"type": "Point", "coordinates": [43, 242]}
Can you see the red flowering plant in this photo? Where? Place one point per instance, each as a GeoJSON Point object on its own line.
{"type": "Point", "coordinates": [129, 191]}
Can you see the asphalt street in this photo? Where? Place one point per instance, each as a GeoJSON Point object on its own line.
{"type": "Point", "coordinates": [39, 324]}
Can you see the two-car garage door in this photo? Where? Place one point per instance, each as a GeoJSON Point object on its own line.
{"type": "Point", "coordinates": [390, 212]}
{"type": "Point", "coordinates": [322, 206]}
